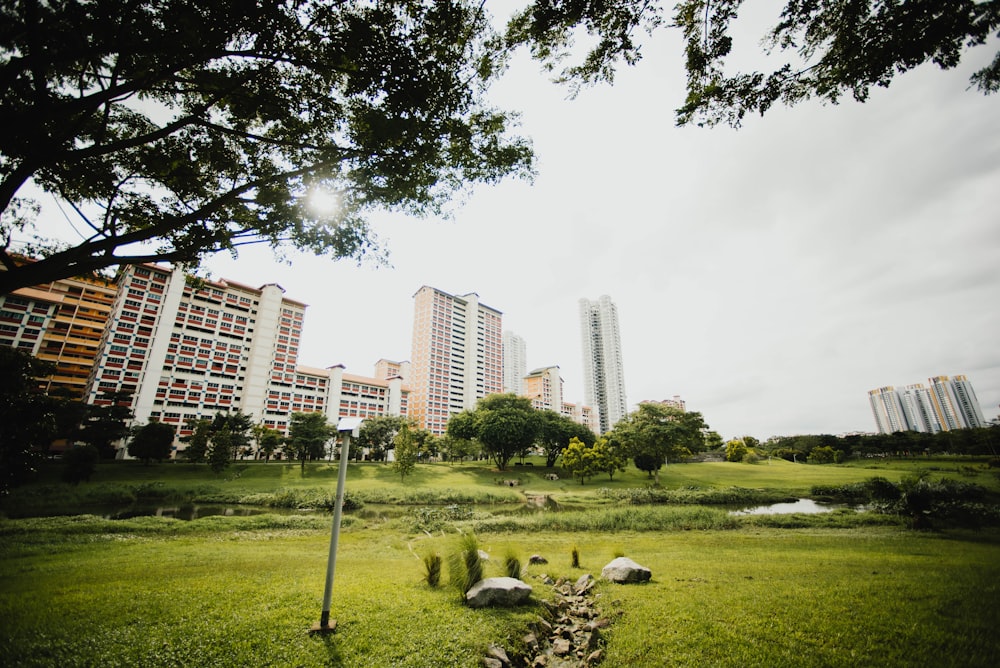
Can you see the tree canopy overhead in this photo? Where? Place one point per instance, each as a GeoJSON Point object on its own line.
{"type": "Point", "coordinates": [820, 48]}
{"type": "Point", "coordinates": [172, 129]}
{"type": "Point", "coordinates": [177, 128]}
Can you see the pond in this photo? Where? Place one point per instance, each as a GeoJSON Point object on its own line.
{"type": "Point", "coordinates": [800, 506]}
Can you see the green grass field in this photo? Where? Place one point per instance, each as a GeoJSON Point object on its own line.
{"type": "Point", "coordinates": [841, 589]}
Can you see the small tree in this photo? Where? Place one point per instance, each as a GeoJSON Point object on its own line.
{"type": "Point", "coordinates": [611, 457]}
{"type": "Point", "coordinates": [221, 449]}
{"type": "Point", "coordinates": [580, 460]}
{"type": "Point", "coordinates": [308, 434]}
{"type": "Point", "coordinates": [107, 422]}
{"type": "Point", "coordinates": [197, 441]}
{"type": "Point", "coordinates": [268, 442]}
{"type": "Point", "coordinates": [79, 464]}
{"type": "Point", "coordinates": [154, 440]}
{"type": "Point", "coordinates": [736, 450]}
{"type": "Point", "coordinates": [406, 452]}
{"type": "Point", "coordinates": [377, 434]}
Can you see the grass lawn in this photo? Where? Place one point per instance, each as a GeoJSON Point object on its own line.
{"type": "Point", "coordinates": [243, 592]}
{"type": "Point", "coordinates": [837, 589]}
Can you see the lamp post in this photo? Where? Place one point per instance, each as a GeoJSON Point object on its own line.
{"type": "Point", "coordinates": [347, 427]}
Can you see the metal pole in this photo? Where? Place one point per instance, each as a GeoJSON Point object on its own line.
{"type": "Point", "coordinates": [324, 620]}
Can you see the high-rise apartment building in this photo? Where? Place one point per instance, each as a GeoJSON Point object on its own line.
{"type": "Point", "coordinates": [603, 372]}
{"type": "Point", "coordinates": [457, 356]}
{"type": "Point", "coordinates": [544, 388]}
{"type": "Point", "coordinates": [887, 410]}
{"type": "Point", "coordinates": [514, 363]}
{"type": "Point", "coordinates": [949, 403]}
{"type": "Point", "coordinates": [189, 348]}
{"type": "Point", "coordinates": [60, 322]}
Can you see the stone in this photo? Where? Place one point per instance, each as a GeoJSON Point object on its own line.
{"type": "Point", "coordinates": [584, 583]}
{"type": "Point", "coordinates": [503, 592]}
{"type": "Point", "coordinates": [498, 653]}
{"type": "Point", "coordinates": [595, 657]}
{"type": "Point", "coordinates": [537, 559]}
{"type": "Point", "coordinates": [561, 647]}
{"type": "Point", "coordinates": [490, 662]}
{"type": "Point", "coordinates": [624, 570]}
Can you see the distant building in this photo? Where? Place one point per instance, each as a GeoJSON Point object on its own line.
{"type": "Point", "coordinates": [188, 348]}
{"type": "Point", "coordinates": [386, 369]}
{"type": "Point", "coordinates": [603, 371]}
{"type": "Point", "coordinates": [456, 358]}
{"type": "Point", "coordinates": [949, 403]}
{"type": "Point", "coordinates": [514, 363]}
{"type": "Point", "coordinates": [676, 402]}
{"type": "Point", "coordinates": [61, 322]}
{"type": "Point", "coordinates": [544, 388]}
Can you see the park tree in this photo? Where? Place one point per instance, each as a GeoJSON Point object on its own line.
{"type": "Point", "coordinates": [27, 417]}
{"type": "Point", "coordinates": [79, 463]}
{"type": "Point", "coordinates": [555, 432]}
{"type": "Point", "coordinates": [713, 441]}
{"type": "Point", "coordinates": [196, 450]}
{"type": "Point", "coordinates": [377, 435]}
{"type": "Point", "coordinates": [654, 434]}
{"type": "Point", "coordinates": [153, 440]}
{"type": "Point", "coordinates": [736, 450]}
{"type": "Point", "coordinates": [581, 460]}
{"type": "Point", "coordinates": [175, 129]}
{"type": "Point", "coordinates": [106, 422]}
{"type": "Point", "coordinates": [308, 434]}
{"type": "Point", "coordinates": [220, 448]}
{"type": "Point", "coordinates": [268, 441]}
{"type": "Point", "coordinates": [612, 457]}
{"type": "Point", "coordinates": [504, 424]}
{"type": "Point", "coordinates": [240, 430]}
{"type": "Point", "coordinates": [407, 450]}
{"type": "Point", "coordinates": [458, 449]}
{"type": "Point", "coordinates": [825, 49]}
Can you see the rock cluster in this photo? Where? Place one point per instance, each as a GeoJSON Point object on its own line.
{"type": "Point", "coordinates": [571, 640]}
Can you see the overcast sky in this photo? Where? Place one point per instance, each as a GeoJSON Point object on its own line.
{"type": "Point", "coordinates": [770, 276]}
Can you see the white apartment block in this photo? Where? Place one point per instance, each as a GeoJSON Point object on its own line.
{"type": "Point", "coordinates": [603, 371]}
{"type": "Point", "coordinates": [947, 404]}
{"type": "Point", "coordinates": [514, 363]}
{"type": "Point", "coordinates": [189, 348]}
{"type": "Point", "coordinates": [457, 356]}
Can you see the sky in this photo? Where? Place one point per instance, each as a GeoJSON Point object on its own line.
{"type": "Point", "coordinates": [770, 276]}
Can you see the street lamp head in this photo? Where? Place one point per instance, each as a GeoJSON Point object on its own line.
{"type": "Point", "coordinates": [350, 424]}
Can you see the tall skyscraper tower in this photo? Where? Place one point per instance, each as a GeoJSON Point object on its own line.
{"type": "Point", "coordinates": [948, 404]}
{"type": "Point", "coordinates": [514, 363]}
{"type": "Point", "coordinates": [603, 372]}
{"type": "Point", "coordinates": [457, 356]}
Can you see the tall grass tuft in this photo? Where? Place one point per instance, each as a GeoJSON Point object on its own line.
{"type": "Point", "coordinates": [465, 566]}
{"type": "Point", "coordinates": [575, 554]}
{"type": "Point", "coordinates": [432, 569]}
{"type": "Point", "coordinates": [512, 565]}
